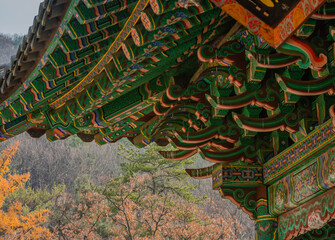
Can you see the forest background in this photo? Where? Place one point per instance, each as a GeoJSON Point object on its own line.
{"type": "Point", "coordinates": [78, 181]}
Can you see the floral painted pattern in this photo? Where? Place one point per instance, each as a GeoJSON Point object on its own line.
{"type": "Point", "coordinates": [305, 183]}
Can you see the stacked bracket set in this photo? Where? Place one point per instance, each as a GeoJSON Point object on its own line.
{"type": "Point", "coordinates": [249, 88]}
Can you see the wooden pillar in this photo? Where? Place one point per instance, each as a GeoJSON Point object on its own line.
{"type": "Point", "coordinates": [265, 224]}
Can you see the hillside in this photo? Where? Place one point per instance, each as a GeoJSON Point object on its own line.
{"type": "Point", "coordinates": [8, 47]}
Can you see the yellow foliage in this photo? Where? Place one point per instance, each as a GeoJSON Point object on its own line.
{"type": "Point", "coordinates": [13, 223]}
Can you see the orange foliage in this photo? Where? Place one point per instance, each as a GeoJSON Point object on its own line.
{"type": "Point", "coordinates": [129, 210]}
{"type": "Point", "coordinates": [13, 223]}
{"type": "Point", "coordinates": [167, 216]}
{"type": "Point", "coordinates": [78, 219]}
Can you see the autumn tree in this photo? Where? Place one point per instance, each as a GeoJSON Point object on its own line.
{"type": "Point", "coordinates": [152, 200]}
{"type": "Point", "coordinates": [139, 214]}
{"type": "Point", "coordinates": [81, 215]}
{"type": "Point", "coordinates": [14, 224]}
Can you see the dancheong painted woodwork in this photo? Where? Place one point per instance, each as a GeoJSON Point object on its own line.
{"type": "Point", "coordinates": [249, 85]}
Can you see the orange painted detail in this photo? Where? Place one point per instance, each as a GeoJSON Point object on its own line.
{"type": "Point", "coordinates": [274, 36]}
{"type": "Point", "coordinates": [237, 11]}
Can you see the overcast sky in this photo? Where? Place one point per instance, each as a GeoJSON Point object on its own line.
{"type": "Point", "coordinates": [16, 16]}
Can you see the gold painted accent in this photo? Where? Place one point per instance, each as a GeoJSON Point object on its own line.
{"type": "Point", "coordinates": [262, 199]}
{"type": "Point", "coordinates": [52, 117]}
{"type": "Point", "coordinates": [50, 56]}
{"type": "Point", "coordinates": [67, 107]}
{"type": "Point", "coordinates": [65, 45]}
{"type": "Point", "coordinates": [164, 54]}
{"type": "Point", "coordinates": [268, 3]}
{"type": "Point", "coordinates": [89, 94]}
{"type": "Point", "coordinates": [43, 75]}
{"type": "Point", "coordinates": [72, 30]}
{"type": "Point", "coordinates": [10, 105]}
{"type": "Point", "coordinates": [266, 219]}
{"type": "Point", "coordinates": [23, 99]}
{"type": "Point", "coordinates": [99, 86]}
{"type": "Point", "coordinates": [79, 104]}
{"type": "Point", "coordinates": [83, 17]}
{"type": "Point", "coordinates": [60, 118]}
